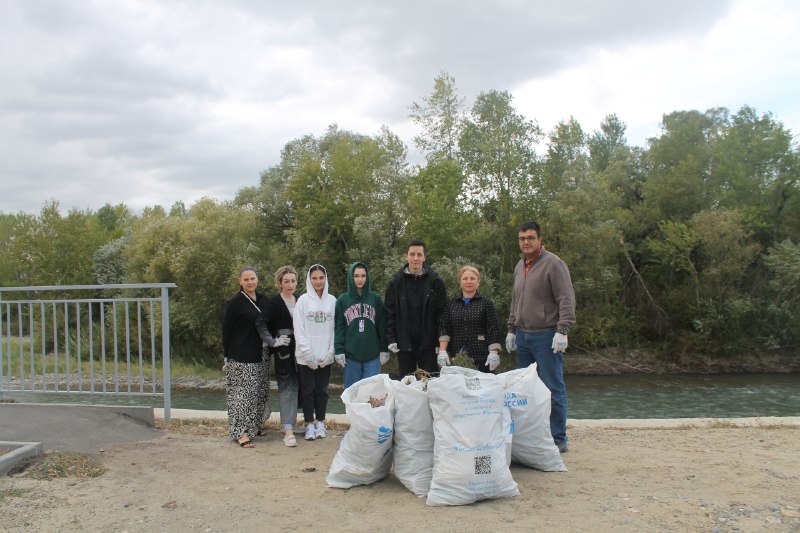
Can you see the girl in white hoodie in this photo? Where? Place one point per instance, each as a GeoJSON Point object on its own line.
{"type": "Point", "coordinates": [313, 335]}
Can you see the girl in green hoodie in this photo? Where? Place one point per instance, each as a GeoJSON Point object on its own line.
{"type": "Point", "coordinates": [360, 338]}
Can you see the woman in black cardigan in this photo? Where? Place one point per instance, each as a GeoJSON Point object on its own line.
{"type": "Point", "coordinates": [277, 319]}
{"type": "Point", "coordinates": [470, 325]}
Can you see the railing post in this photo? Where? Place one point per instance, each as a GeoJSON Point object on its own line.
{"type": "Point", "coordinates": [165, 351]}
{"type": "Point", "coordinates": [2, 340]}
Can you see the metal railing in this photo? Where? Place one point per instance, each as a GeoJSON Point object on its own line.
{"type": "Point", "coordinates": [95, 345]}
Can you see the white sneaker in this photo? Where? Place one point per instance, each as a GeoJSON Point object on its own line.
{"type": "Point", "coordinates": [311, 433]}
{"type": "Point", "coordinates": [320, 429]}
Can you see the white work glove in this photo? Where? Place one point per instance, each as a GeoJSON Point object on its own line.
{"type": "Point", "coordinates": [493, 361]}
{"type": "Point", "coordinates": [339, 357]}
{"type": "Point", "coordinates": [384, 357]}
{"type": "Point", "coordinates": [393, 347]}
{"type": "Point", "coordinates": [442, 359]}
{"type": "Point", "coordinates": [328, 360]}
{"type": "Point", "coordinates": [225, 364]}
{"type": "Point", "coordinates": [283, 340]}
{"type": "Point", "coordinates": [308, 359]}
{"type": "Point", "coordinates": [511, 342]}
{"type": "Point", "coordinates": [559, 343]}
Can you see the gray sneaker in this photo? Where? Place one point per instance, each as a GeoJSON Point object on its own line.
{"type": "Point", "coordinates": [562, 447]}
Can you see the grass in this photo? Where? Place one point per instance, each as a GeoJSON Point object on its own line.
{"type": "Point", "coordinates": [463, 360]}
{"type": "Point", "coordinates": [13, 493]}
{"type": "Point", "coordinates": [48, 363]}
{"type": "Point", "coordinates": [62, 464]}
{"type": "Point", "coordinates": [195, 426]}
{"type": "Point", "coordinates": [217, 426]}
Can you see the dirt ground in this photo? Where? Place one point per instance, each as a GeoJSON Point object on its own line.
{"type": "Point", "coordinates": [717, 478]}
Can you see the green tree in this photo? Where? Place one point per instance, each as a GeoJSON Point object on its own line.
{"type": "Point", "coordinates": [581, 227]}
{"type": "Point", "coordinates": [201, 253]}
{"type": "Point", "coordinates": [755, 170]}
{"type": "Point", "coordinates": [441, 117]}
{"type": "Point", "coordinates": [309, 203]}
{"type": "Point", "coordinates": [439, 218]}
{"type": "Point", "coordinates": [566, 164]}
{"type": "Point", "coordinates": [497, 150]}
{"type": "Point", "coordinates": [51, 249]}
{"type": "Point", "coordinates": [679, 183]}
{"type": "Point", "coordinates": [114, 218]}
{"type": "Point", "coordinates": [12, 229]}
{"type": "Point", "coordinates": [781, 324]}
{"type": "Point", "coordinates": [605, 142]}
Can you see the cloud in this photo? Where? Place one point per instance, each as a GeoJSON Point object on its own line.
{"type": "Point", "coordinates": [722, 67]}
{"type": "Point", "coordinates": [151, 103]}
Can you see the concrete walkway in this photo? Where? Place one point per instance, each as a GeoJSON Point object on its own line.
{"type": "Point", "coordinates": [75, 428]}
{"type": "Point", "coordinates": [606, 422]}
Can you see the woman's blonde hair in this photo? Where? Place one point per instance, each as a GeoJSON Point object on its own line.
{"type": "Point", "coordinates": [282, 271]}
{"type": "Point", "coordinates": [468, 268]}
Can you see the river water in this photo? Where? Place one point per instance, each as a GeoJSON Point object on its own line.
{"type": "Point", "coordinates": [590, 397]}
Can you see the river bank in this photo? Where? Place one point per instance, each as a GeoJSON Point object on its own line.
{"type": "Point", "coordinates": [577, 362]}
{"type": "Point", "coordinates": [581, 361]}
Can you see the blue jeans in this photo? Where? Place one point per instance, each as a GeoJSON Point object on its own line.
{"type": "Point", "coordinates": [537, 348]}
{"type": "Point", "coordinates": [357, 370]}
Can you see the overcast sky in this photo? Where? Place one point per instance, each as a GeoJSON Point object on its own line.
{"type": "Point", "coordinates": [153, 102]}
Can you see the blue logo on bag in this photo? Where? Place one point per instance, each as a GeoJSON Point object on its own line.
{"type": "Point", "coordinates": [384, 434]}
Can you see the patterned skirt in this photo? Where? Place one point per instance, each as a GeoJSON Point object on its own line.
{"type": "Point", "coordinates": [248, 397]}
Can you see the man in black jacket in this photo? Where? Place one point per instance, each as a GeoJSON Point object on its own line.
{"type": "Point", "coordinates": [415, 304]}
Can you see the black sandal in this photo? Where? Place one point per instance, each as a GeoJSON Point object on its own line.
{"type": "Point", "coordinates": [247, 444]}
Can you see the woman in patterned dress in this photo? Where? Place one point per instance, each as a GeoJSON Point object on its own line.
{"type": "Point", "coordinates": [470, 325]}
{"type": "Point", "coordinates": [246, 369]}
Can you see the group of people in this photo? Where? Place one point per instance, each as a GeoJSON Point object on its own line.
{"type": "Point", "coordinates": [359, 330]}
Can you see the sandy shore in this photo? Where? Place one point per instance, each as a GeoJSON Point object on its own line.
{"type": "Point", "coordinates": [656, 476]}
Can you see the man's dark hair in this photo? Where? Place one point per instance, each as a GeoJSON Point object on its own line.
{"type": "Point", "coordinates": [530, 225]}
{"type": "Point", "coordinates": [417, 242]}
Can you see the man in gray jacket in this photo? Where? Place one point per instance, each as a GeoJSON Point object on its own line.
{"type": "Point", "coordinates": [542, 310]}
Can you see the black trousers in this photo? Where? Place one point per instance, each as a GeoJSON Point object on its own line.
{"type": "Point", "coordinates": [314, 391]}
{"type": "Point", "coordinates": [409, 361]}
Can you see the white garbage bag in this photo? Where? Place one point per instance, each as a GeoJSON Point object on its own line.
{"type": "Point", "coordinates": [469, 461]}
{"type": "Point", "coordinates": [528, 399]}
{"type": "Point", "coordinates": [413, 435]}
{"type": "Point", "coordinates": [364, 455]}
{"type": "Point", "coordinates": [508, 424]}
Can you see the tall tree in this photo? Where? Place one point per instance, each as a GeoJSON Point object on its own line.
{"type": "Point", "coordinates": [342, 176]}
{"type": "Point", "coordinates": [497, 150]}
{"type": "Point", "coordinates": [604, 142]}
{"type": "Point", "coordinates": [755, 170]}
{"type": "Point", "coordinates": [441, 117]}
{"type": "Point", "coordinates": [566, 164]}
{"type": "Point", "coordinates": [201, 251]}
{"type": "Point", "coordinates": [680, 183]}
{"type": "Point", "coordinates": [51, 249]}
{"type": "Point", "coordinates": [441, 223]}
